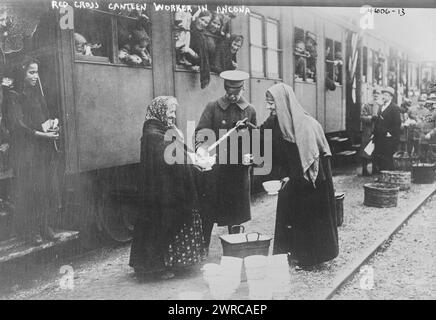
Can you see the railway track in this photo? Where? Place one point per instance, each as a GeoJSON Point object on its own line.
{"type": "Point", "coordinates": [355, 265]}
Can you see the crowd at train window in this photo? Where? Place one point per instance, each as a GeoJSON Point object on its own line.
{"type": "Point", "coordinates": [378, 62]}
{"type": "Point", "coordinates": [134, 42]}
{"type": "Point", "coordinates": [305, 54]}
{"type": "Point", "coordinates": [94, 41]}
{"type": "Point", "coordinates": [204, 43]}
{"type": "Point", "coordinates": [334, 61]}
{"type": "Point", "coordinates": [91, 38]}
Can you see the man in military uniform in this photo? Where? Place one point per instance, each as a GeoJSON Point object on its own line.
{"type": "Point", "coordinates": [225, 190]}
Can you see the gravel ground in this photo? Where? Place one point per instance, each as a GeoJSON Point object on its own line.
{"type": "Point", "coordinates": [106, 275]}
{"type": "Point", "coordinates": [405, 268]}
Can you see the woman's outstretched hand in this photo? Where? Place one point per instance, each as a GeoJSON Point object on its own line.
{"type": "Point", "coordinates": [52, 135]}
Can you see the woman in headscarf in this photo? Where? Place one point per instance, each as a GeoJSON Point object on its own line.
{"type": "Point", "coordinates": [306, 218]}
{"type": "Point", "coordinates": [198, 51]}
{"type": "Point", "coordinates": [225, 57]}
{"type": "Point", "coordinates": [168, 232]}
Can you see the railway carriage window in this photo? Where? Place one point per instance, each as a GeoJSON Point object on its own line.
{"type": "Point", "coordinates": [378, 61]}
{"type": "Point", "coordinates": [200, 33]}
{"type": "Point", "coordinates": [338, 62]}
{"type": "Point", "coordinates": [370, 68]}
{"type": "Point", "coordinates": [134, 43]}
{"type": "Point", "coordinates": [392, 73]}
{"type": "Point", "coordinates": [311, 60]}
{"type": "Point", "coordinates": [305, 54]}
{"type": "Point", "coordinates": [365, 64]}
{"type": "Point", "coordinates": [92, 35]}
{"type": "Point", "coordinates": [334, 60]}
{"type": "Point", "coordinates": [403, 73]}
{"type": "Point", "coordinates": [415, 72]}
{"type": "Point", "coordinates": [265, 48]}
{"type": "Point", "coordinates": [182, 36]}
{"type": "Point", "coordinates": [273, 51]}
{"type": "Point", "coordinates": [256, 46]}
{"type": "Point", "coordinates": [329, 54]}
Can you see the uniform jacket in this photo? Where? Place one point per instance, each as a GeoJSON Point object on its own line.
{"type": "Point", "coordinates": [225, 191]}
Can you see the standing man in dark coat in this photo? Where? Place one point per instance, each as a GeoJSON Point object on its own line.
{"type": "Point", "coordinates": [387, 131]}
{"type": "Point", "coordinates": [369, 110]}
{"type": "Point", "coordinates": [225, 190]}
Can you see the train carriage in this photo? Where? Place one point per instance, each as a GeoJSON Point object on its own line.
{"type": "Point", "coordinates": [101, 100]}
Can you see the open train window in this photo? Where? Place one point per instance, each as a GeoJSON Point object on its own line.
{"type": "Point", "coordinates": [134, 41]}
{"type": "Point", "coordinates": [403, 72]}
{"type": "Point", "coordinates": [305, 53]}
{"type": "Point", "coordinates": [378, 62]}
{"type": "Point", "coordinates": [365, 64]}
{"type": "Point", "coordinates": [329, 57]}
{"type": "Point", "coordinates": [92, 35]}
{"type": "Point", "coordinates": [202, 36]}
{"type": "Point", "coordinates": [113, 36]}
{"type": "Point", "coordinates": [334, 60]}
{"type": "Point", "coordinates": [393, 68]}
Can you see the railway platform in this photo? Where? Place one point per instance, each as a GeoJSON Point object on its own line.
{"type": "Point", "coordinates": [105, 274]}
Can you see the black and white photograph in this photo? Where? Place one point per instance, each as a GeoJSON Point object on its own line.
{"type": "Point", "coordinates": [223, 150]}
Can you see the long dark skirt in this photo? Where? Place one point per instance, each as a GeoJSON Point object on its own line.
{"type": "Point", "coordinates": [306, 220]}
{"type": "Point", "coordinates": [185, 249]}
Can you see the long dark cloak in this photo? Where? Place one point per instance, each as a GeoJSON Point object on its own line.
{"type": "Point", "coordinates": [306, 216]}
{"type": "Point", "coordinates": [168, 197]}
{"type": "Point", "coordinates": [31, 158]}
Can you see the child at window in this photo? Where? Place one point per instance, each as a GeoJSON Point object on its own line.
{"type": "Point", "coordinates": [301, 54]}
{"type": "Point", "coordinates": [182, 35]}
{"type": "Point", "coordinates": [136, 52]}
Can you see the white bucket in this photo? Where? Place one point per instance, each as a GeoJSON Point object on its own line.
{"type": "Point", "coordinates": [255, 261]}
{"type": "Point", "coordinates": [260, 290]}
{"type": "Point", "coordinates": [278, 260]}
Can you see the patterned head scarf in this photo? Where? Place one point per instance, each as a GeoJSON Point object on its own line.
{"type": "Point", "coordinates": [157, 110]}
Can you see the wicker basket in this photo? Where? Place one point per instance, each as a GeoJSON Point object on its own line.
{"type": "Point", "coordinates": [402, 161]}
{"type": "Point", "coordinates": [401, 179]}
{"type": "Point", "coordinates": [423, 172]}
{"type": "Point", "coordinates": [380, 195]}
{"type": "Point", "coordinates": [242, 245]}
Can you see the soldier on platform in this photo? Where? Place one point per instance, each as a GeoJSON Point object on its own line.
{"type": "Point", "coordinates": [225, 190]}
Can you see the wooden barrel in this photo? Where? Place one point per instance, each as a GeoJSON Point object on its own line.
{"type": "Point", "coordinates": [380, 195]}
{"type": "Point", "coordinates": [401, 179]}
{"type": "Point", "coordinates": [423, 172]}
